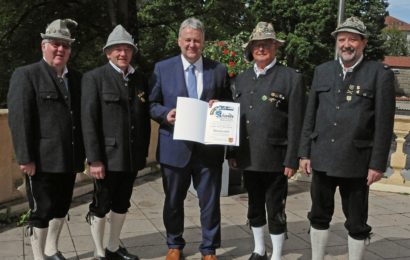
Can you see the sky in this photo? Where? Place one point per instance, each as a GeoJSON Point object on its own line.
{"type": "Point", "coordinates": [400, 9]}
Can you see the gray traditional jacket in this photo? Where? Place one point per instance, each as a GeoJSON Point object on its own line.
{"type": "Point", "coordinates": [349, 123]}
{"type": "Point", "coordinates": [271, 108]}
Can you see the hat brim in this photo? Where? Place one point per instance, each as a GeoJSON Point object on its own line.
{"type": "Point", "coordinates": [119, 42]}
{"type": "Point", "coordinates": [351, 30]}
{"type": "Point", "coordinates": [53, 37]}
{"type": "Point", "coordinates": [246, 46]}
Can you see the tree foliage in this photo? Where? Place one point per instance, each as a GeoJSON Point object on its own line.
{"type": "Point", "coordinates": [395, 42]}
{"type": "Point", "coordinates": [305, 25]}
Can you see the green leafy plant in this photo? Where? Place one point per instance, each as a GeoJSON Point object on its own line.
{"type": "Point", "coordinates": [229, 52]}
{"type": "Point", "coordinates": [23, 218]}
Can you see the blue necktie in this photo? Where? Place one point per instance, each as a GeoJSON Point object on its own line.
{"type": "Point", "coordinates": [192, 92]}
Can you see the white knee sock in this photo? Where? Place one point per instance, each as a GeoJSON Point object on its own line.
{"type": "Point", "coordinates": [277, 244]}
{"type": "Point", "coordinates": [97, 232]}
{"type": "Point", "coordinates": [38, 242]}
{"type": "Point", "coordinates": [356, 248]}
{"type": "Point", "coordinates": [318, 240]}
{"type": "Point", "coordinates": [116, 223]}
{"type": "Point", "coordinates": [259, 240]}
{"type": "Point", "coordinates": [54, 229]}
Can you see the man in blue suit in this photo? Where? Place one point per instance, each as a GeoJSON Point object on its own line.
{"type": "Point", "coordinates": [188, 75]}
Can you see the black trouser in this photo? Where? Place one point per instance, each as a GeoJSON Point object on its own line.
{"type": "Point", "coordinates": [112, 193]}
{"type": "Point", "coordinates": [49, 196]}
{"type": "Point", "coordinates": [354, 193]}
{"type": "Point", "coordinates": [268, 189]}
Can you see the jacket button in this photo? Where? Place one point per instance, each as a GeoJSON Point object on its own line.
{"type": "Point", "coordinates": [337, 107]}
{"type": "Point", "coordinates": [338, 91]}
{"type": "Point", "coordinates": [247, 121]}
{"type": "Point", "coordinates": [126, 84]}
{"type": "Point", "coordinates": [335, 124]}
{"type": "Point", "coordinates": [132, 127]}
{"type": "Point", "coordinates": [73, 127]}
{"type": "Point", "coordinates": [247, 137]}
{"type": "Point", "coordinates": [250, 106]}
{"type": "Point", "coordinates": [251, 91]}
{"type": "Point", "coordinates": [332, 140]}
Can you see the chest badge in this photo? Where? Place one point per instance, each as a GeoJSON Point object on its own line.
{"type": "Point", "coordinates": [140, 95]}
{"type": "Point", "coordinates": [349, 93]}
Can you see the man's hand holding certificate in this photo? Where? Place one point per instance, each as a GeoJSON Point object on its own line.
{"type": "Point", "coordinates": [196, 121]}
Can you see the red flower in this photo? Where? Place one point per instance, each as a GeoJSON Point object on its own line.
{"type": "Point", "coordinates": [231, 64]}
{"type": "Point", "coordinates": [233, 54]}
{"type": "Point", "coordinates": [221, 43]}
{"type": "Point", "coordinates": [226, 52]}
{"type": "Point", "coordinates": [231, 74]}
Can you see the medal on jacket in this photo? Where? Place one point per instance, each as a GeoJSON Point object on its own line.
{"type": "Point", "coordinates": [140, 95]}
{"type": "Point", "coordinates": [276, 98]}
{"type": "Point", "coordinates": [349, 93]}
{"type": "Point", "coordinates": [358, 90]}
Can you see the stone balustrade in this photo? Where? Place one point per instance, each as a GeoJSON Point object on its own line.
{"type": "Point", "coordinates": [12, 186]}
{"type": "Point", "coordinates": [11, 177]}
{"type": "Point", "coordinates": [397, 182]}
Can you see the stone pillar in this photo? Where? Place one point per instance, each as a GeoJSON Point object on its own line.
{"type": "Point", "coordinates": [398, 158]}
{"type": "Point", "coordinates": [9, 170]}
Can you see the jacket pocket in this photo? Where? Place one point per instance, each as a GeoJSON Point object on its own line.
{"type": "Point", "coordinates": [164, 132]}
{"type": "Point", "coordinates": [109, 141]}
{"type": "Point", "coordinates": [48, 95]}
{"type": "Point", "coordinates": [366, 93]}
{"type": "Point", "coordinates": [322, 88]}
{"type": "Point", "coordinates": [111, 97]}
{"type": "Point", "coordinates": [313, 135]}
{"type": "Point", "coordinates": [278, 141]}
{"type": "Point", "coordinates": [363, 143]}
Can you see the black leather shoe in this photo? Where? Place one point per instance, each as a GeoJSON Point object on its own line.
{"type": "Point", "coordinates": [120, 254]}
{"type": "Point", "coordinates": [256, 256]}
{"type": "Point", "coordinates": [56, 256]}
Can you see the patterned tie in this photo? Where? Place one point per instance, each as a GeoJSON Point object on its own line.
{"type": "Point", "coordinates": [192, 92]}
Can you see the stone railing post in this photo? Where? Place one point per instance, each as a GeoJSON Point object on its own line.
{"type": "Point", "coordinates": [9, 170]}
{"type": "Point", "coordinates": [398, 158]}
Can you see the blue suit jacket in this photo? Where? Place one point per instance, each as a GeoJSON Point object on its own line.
{"type": "Point", "coordinates": [168, 83]}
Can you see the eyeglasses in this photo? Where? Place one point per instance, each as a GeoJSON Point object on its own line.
{"type": "Point", "coordinates": [262, 45]}
{"type": "Point", "coordinates": [56, 44]}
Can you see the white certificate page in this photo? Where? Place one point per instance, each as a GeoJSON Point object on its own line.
{"type": "Point", "coordinates": [222, 126]}
{"type": "Point", "coordinates": [190, 119]}
{"type": "Point", "coordinates": [195, 121]}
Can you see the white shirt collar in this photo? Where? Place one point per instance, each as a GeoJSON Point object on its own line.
{"type": "Point", "coordinates": [350, 69]}
{"type": "Point", "coordinates": [65, 71]}
{"type": "Point", "coordinates": [198, 64]}
{"type": "Point", "coordinates": [263, 71]}
{"type": "Point", "coordinates": [130, 70]}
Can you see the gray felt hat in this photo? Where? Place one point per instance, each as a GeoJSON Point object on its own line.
{"type": "Point", "coordinates": [353, 25]}
{"type": "Point", "coordinates": [119, 36]}
{"type": "Point", "coordinates": [262, 31]}
{"type": "Point", "coordinates": [58, 30]}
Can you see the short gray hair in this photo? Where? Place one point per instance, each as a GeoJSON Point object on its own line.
{"type": "Point", "coordinates": [193, 23]}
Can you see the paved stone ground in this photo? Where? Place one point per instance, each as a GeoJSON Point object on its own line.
{"type": "Point", "coordinates": [143, 232]}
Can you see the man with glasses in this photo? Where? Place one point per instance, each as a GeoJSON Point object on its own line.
{"type": "Point", "coordinates": [44, 117]}
{"type": "Point", "coordinates": [116, 128]}
{"type": "Point", "coordinates": [272, 102]}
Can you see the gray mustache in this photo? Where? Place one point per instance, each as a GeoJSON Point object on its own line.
{"type": "Point", "coordinates": [349, 49]}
